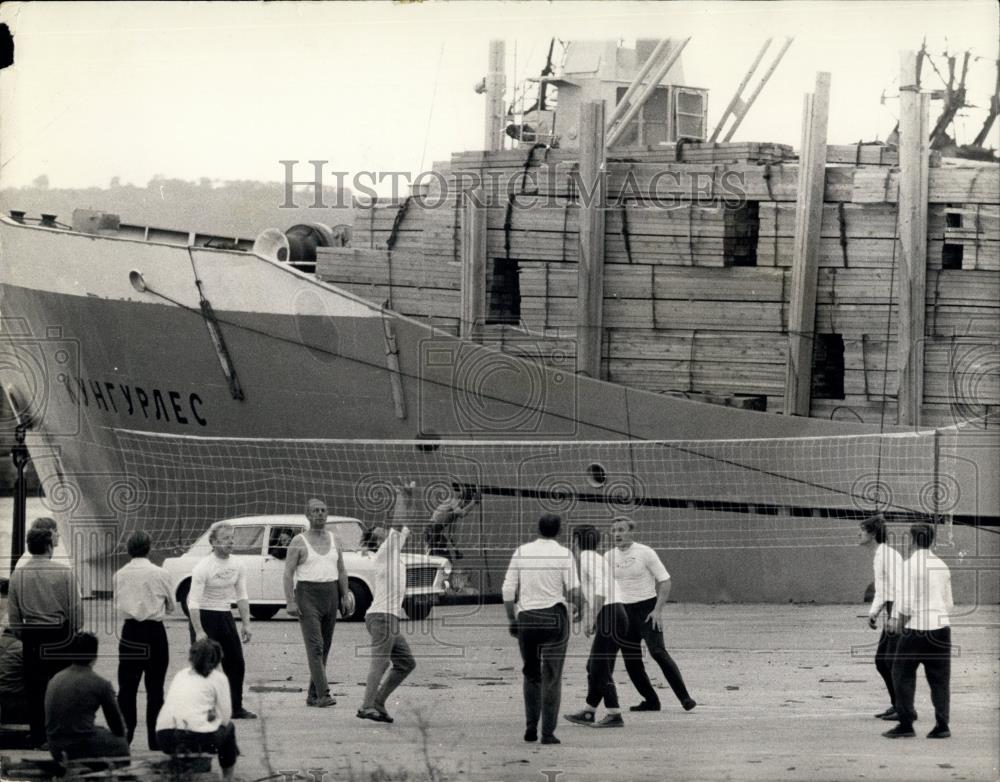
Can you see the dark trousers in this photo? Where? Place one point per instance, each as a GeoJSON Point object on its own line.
{"type": "Point", "coordinates": [932, 648]}
{"type": "Point", "coordinates": [142, 651]}
{"type": "Point", "coordinates": [317, 602]}
{"type": "Point", "coordinates": [221, 627]}
{"type": "Point", "coordinates": [611, 630]}
{"type": "Point", "coordinates": [885, 652]}
{"type": "Point", "coordinates": [389, 647]}
{"type": "Point", "coordinates": [43, 647]}
{"type": "Point", "coordinates": [640, 630]}
{"type": "Point", "coordinates": [221, 741]}
{"type": "Point", "coordinates": [542, 637]}
{"type": "Point", "coordinates": [101, 743]}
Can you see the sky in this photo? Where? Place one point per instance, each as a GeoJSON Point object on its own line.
{"type": "Point", "coordinates": [226, 90]}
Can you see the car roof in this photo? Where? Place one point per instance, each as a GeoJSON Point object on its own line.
{"type": "Point", "coordinates": [282, 518]}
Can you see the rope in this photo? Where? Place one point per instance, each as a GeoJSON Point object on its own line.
{"type": "Point", "coordinates": [388, 262]}
{"type": "Point", "coordinates": [430, 109]}
{"type": "Point", "coordinates": [864, 365]}
{"type": "Point", "coordinates": [398, 221]}
{"type": "Point", "coordinates": [456, 229]}
{"type": "Point", "coordinates": [652, 290]}
{"type": "Point", "coordinates": [507, 226]}
{"type": "Point", "coordinates": [679, 149]}
{"type": "Point", "coordinates": [625, 233]}
{"type": "Point", "coordinates": [975, 258]}
{"type": "Point", "coordinates": [833, 301]}
{"type": "Point", "coordinates": [690, 227]}
{"type": "Point", "coordinates": [565, 229]}
{"type": "Point", "coordinates": [527, 164]}
{"type": "Point", "coordinates": [691, 355]}
{"type": "Point", "coordinates": [767, 183]}
{"type": "Point", "coordinates": [842, 221]}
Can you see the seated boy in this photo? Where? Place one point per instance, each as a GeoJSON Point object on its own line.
{"type": "Point", "coordinates": [71, 702]}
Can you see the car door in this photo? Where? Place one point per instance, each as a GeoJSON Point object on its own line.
{"type": "Point", "coordinates": [248, 548]}
{"type": "Point", "coordinates": [272, 570]}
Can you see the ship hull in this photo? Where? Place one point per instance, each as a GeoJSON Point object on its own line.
{"type": "Point", "coordinates": [216, 344]}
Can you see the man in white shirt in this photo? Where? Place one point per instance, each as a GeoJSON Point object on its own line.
{"type": "Point", "coordinates": [643, 585]}
{"type": "Point", "coordinates": [607, 622]}
{"type": "Point", "coordinates": [540, 579]}
{"type": "Point", "coordinates": [922, 618]}
{"type": "Point", "coordinates": [887, 566]}
{"type": "Point", "coordinates": [216, 582]}
{"type": "Point", "coordinates": [144, 595]}
{"type": "Point", "coordinates": [389, 646]}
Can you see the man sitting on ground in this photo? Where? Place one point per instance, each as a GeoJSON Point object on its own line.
{"type": "Point", "coordinates": [71, 702]}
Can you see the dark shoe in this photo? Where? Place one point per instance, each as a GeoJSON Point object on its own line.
{"type": "Point", "coordinates": [324, 702]}
{"type": "Point", "coordinates": [244, 714]}
{"type": "Point", "coordinates": [384, 714]}
{"type": "Point", "coordinates": [900, 732]}
{"type": "Point", "coordinates": [646, 706]}
{"type": "Point", "coordinates": [550, 740]}
{"type": "Point", "coordinates": [939, 732]}
{"type": "Point", "coordinates": [888, 714]}
{"type": "Point", "coordinates": [531, 735]}
{"type": "Point", "coordinates": [371, 714]}
{"type": "Point", "coordinates": [584, 717]}
{"type": "Point", "coordinates": [689, 704]}
{"type": "Point", "coordinates": [610, 721]}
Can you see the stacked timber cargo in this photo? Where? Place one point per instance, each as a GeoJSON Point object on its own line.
{"type": "Point", "coordinates": [698, 253]}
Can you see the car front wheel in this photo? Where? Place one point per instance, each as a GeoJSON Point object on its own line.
{"type": "Point", "coordinates": [263, 612]}
{"type": "Point", "coordinates": [362, 600]}
{"type": "Point", "coordinates": [183, 589]}
{"type": "Point", "coordinates": [418, 607]}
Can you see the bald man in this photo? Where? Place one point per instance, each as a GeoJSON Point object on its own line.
{"type": "Point", "coordinates": [315, 583]}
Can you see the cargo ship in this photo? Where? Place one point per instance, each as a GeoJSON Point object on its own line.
{"type": "Point", "coordinates": [168, 378]}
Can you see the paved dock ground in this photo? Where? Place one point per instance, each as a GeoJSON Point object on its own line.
{"type": "Point", "coordinates": [785, 692]}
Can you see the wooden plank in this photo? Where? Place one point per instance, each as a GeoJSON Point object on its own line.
{"type": "Point", "coordinates": [912, 279]}
{"type": "Point", "coordinates": [473, 282]}
{"type": "Point", "coordinates": [802, 309]}
{"type": "Point", "coordinates": [590, 274]}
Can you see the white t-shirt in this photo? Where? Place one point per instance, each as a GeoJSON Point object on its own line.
{"type": "Point", "coordinates": [390, 577]}
{"type": "Point", "coordinates": [888, 568]}
{"type": "Point", "coordinates": [195, 702]}
{"type": "Point", "coordinates": [596, 579]}
{"type": "Point", "coordinates": [217, 583]}
{"type": "Point", "coordinates": [637, 571]}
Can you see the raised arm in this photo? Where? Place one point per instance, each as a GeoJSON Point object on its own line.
{"type": "Point", "coordinates": [404, 507]}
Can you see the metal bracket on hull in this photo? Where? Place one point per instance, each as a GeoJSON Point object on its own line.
{"type": "Point", "coordinates": [392, 364]}
{"type": "Point", "coordinates": [212, 324]}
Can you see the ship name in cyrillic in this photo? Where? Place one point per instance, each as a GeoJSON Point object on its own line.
{"type": "Point", "coordinates": [124, 399]}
